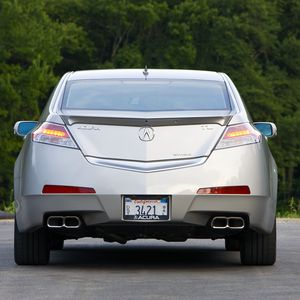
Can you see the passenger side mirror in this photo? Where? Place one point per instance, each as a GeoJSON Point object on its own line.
{"type": "Point", "coordinates": [268, 129]}
{"type": "Point", "coordinates": [22, 128]}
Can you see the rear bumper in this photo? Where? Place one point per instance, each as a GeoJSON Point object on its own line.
{"type": "Point", "coordinates": [56, 165]}
{"type": "Point", "coordinates": [105, 209]}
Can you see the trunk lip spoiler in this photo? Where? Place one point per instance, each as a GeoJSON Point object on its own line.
{"type": "Point", "coordinates": [143, 122]}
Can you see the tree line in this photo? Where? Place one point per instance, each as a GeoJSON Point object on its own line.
{"type": "Point", "coordinates": [256, 42]}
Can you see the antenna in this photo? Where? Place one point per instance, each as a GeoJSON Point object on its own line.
{"type": "Point", "coordinates": [145, 72]}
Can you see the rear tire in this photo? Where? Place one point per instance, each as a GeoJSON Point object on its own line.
{"type": "Point", "coordinates": [232, 244]}
{"type": "Point", "coordinates": [31, 248]}
{"type": "Point", "coordinates": [258, 248]}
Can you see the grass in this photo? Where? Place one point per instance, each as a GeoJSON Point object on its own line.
{"type": "Point", "coordinates": [287, 214]}
{"type": "Point", "coordinates": [289, 210]}
{"type": "Point", "coordinates": [9, 208]}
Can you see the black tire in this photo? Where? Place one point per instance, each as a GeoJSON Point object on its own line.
{"type": "Point", "coordinates": [31, 248]}
{"type": "Point", "coordinates": [232, 244]}
{"type": "Point", "coordinates": [56, 244]}
{"type": "Point", "coordinates": [258, 249]}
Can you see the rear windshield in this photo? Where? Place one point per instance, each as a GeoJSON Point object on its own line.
{"type": "Point", "coordinates": [146, 95]}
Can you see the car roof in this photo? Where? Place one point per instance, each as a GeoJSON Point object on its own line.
{"type": "Point", "coordinates": [151, 74]}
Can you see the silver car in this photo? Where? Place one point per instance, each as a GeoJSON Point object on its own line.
{"type": "Point", "coordinates": [131, 154]}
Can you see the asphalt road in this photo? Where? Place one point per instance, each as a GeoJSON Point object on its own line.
{"type": "Point", "coordinates": [197, 269]}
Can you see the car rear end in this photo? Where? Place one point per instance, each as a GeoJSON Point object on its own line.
{"type": "Point", "coordinates": [120, 155]}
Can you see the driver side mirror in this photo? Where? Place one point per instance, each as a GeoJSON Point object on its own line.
{"type": "Point", "coordinates": [22, 128]}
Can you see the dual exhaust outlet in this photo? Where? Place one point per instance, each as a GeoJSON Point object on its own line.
{"type": "Point", "coordinates": [70, 222]}
{"type": "Point", "coordinates": [227, 223]}
{"type": "Point", "coordinates": [73, 222]}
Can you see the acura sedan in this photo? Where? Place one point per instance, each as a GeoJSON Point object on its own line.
{"type": "Point", "coordinates": [145, 154]}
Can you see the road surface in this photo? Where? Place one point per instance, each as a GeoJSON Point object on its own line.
{"type": "Point", "coordinates": [149, 269]}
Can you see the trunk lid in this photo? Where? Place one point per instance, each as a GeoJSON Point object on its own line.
{"type": "Point", "coordinates": [146, 140]}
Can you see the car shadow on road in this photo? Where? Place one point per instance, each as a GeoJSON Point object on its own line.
{"type": "Point", "coordinates": [140, 257]}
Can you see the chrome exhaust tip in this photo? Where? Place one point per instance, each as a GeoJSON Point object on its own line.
{"type": "Point", "coordinates": [219, 223]}
{"type": "Point", "coordinates": [236, 223]}
{"type": "Point", "coordinates": [55, 222]}
{"type": "Point", "coordinates": [70, 222]}
{"type": "Point", "coordinates": [228, 222]}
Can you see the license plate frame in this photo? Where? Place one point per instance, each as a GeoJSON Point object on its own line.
{"type": "Point", "coordinates": [161, 212]}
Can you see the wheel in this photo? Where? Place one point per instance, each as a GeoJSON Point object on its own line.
{"type": "Point", "coordinates": [258, 248]}
{"type": "Point", "coordinates": [31, 248]}
{"type": "Point", "coordinates": [56, 244]}
{"type": "Point", "coordinates": [232, 244]}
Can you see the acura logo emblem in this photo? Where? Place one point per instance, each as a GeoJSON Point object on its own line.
{"type": "Point", "coordinates": [146, 134]}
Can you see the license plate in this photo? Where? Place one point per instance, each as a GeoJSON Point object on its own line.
{"type": "Point", "coordinates": [141, 208]}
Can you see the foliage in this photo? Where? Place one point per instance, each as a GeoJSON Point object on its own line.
{"type": "Point", "coordinates": [256, 42]}
{"type": "Point", "coordinates": [30, 48]}
{"type": "Point", "coordinates": [10, 207]}
{"type": "Point", "coordinates": [291, 209]}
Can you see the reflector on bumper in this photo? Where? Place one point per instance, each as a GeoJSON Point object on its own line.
{"type": "Point", "coordinates": [239, 190]}
{"type": "Point", "coordinates": [64, 189]}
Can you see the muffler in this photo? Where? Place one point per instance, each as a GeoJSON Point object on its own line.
{"type": "Point", "coordinates": [227, 222]}
{"type": "Point", "coordinates": [71, 222]}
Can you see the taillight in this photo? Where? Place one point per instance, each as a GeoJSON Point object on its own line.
{"type": "Point", "coordinates": [238, 135]}
{"type": "Point", "coordinates": [53, 134]}
{"type": "Point", "coordinates": [229, 190]}
{"type": "Point", "coordinates": [66, 189]}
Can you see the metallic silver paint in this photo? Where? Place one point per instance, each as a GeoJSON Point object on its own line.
{"type": "Point", "coordinates": [115, 162]}
{"type": "Point", "coordinates": [124, 142]}
{"type": "Point", "coordinates": [146, 167]}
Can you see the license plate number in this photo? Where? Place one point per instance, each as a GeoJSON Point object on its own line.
{"type": "Point", "coordinates": [145, 209]}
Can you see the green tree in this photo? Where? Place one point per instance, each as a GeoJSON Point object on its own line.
{"type": "Point", "coordinates": [256, 42]}
{"type": "Point", "coordinates": [29, 49]}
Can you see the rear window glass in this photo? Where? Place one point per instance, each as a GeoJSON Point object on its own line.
{"type": "Point", "coordinates": [146, 95]}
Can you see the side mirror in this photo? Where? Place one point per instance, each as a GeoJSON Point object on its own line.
{"type": "Point", "coordinates": [22, 128]}
{"type": "Point", "coordinates": [268, 129]}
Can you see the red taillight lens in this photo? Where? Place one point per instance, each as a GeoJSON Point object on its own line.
{"type": "Point", "coordinates": [239, 190]}
{"type": "Point", "coordinates": [238, 135]}
{"type": "Point", "coordinates": [53, 134]}
{"type": "Point", "coordinates": [65, 189]}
